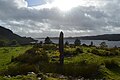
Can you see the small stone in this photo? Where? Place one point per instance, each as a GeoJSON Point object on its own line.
{"type": "Point", "coordinates": [9, 76]}
{"type": "Point", "coordinates": [39, 78]}
{"type": "Point", "coordinates": [31, 73]}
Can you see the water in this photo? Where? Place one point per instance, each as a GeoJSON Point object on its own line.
{"type": "Point", "coordinates": [87, 42]}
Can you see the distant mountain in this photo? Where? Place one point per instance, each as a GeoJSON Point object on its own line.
{"type": "Point", "coordinates": [109, 37]}
{"type": "Point", "coordinates": [7, 35]}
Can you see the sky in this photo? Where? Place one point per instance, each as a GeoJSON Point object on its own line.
{"type": "Point", "coordinates": [41, 18]}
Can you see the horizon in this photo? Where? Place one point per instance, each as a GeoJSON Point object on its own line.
{"type": "Point", "coordinates": [42, 18]}
{"type": "Point", "coordinates": [73, 36]}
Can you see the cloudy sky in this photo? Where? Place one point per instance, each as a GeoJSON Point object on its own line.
{"type": "Point", "coordinates": [41, 18]}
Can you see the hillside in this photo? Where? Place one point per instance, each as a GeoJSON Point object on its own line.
{"type": "Point", "coordinates": [109, 37]}
{"type": "Point", "coordinates": [7, 35]}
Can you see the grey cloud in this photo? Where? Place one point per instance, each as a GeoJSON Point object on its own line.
{"type": "Point", "coordinates": [79, 21]}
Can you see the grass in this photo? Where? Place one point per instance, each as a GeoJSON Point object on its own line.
{"type": "Point", "coordinates": [71, 64]}
{"type": "Point", "coordinates": [7, 52]}
{"type": "Point", "coordinates": [27, 77]}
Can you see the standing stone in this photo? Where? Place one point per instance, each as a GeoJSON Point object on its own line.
{"type": "Point", "coordinates": [61, 47]}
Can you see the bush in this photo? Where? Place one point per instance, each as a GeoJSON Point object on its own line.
{"type": "Point", "coordinates": [78, 50]}
{"type": "Point", "coordinates": [14, 70]}
{"type": "Point", "coordinates": [95, 51]}
{"type": "Point", "coordinates": [103, 45]}
{"type": "Point", "coordinates": [111, 64]}
{"type": "Point", "coordinates": [114, 52]}
{"type": "Point", "coordinates": [37, 45]}
{"type": "Point", "coordinates": [105, 52]}
{"type": "Point", "coordinates": [49, 47]}
{"type": "Point", "coordinates": [85, 45]}
{"type": "Point", "coordinates": [67, 43]}
{"type": "Point", "coordinates": [110, 53]}
{"type": "Point", "coordinates": [77, 42]}
{"type": "Point", "coordinates": [33, 56]}
{"type": "Point", "coordinates": [86, 70]}
{"type": "Point", "coordinates": [72, 69]}
{"type": "Point", "coordinates": [68, 53]}
{"type": "Point", "coordinates": [73, 52]}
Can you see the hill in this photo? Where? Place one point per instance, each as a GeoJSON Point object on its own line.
{"type": "Point", "coordinates": [109, 37]}
{"type": "Point", "coordinates": [7, 36]}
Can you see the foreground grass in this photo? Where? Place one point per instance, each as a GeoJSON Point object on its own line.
{"type": "Point", "coordinates": [7, 52]}
{"type": "Point", "coordinates": [80, 61]}
{"type": "Point", "coordinates": [27, 77]}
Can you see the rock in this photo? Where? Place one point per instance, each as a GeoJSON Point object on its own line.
{"type": "Point", "coordinates": [31, 73]}
{"type": "Point", "coordinates": [9, 76]}
{"type": "Point", "coordinates": [19, 76]}
{"type": "Point", "coordinates": [39, 75]}
{"type": "Point", "coordinates": [39, 78]}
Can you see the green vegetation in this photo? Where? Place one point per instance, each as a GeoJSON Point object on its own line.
{"type": "Point", "coordinates": [77, 42]}
{"type": "Point", "coordinates": [79, 62]}
{"type": "Point", "coordinates": [8, 38]}
{"type": "Point", "coordinates": [47, 40]}
{"type": "Point", "coordinates": [7, 52]}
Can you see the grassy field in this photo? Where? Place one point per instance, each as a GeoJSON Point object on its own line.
{"type": "Point", "coordinates": [5, 60]}
{"type": "Point", "coordinates": [99, 63]}
{"type": "Point", "coordinates": [7, 52]}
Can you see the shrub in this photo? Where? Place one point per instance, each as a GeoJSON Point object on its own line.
{"type": "Point", "coordinates": [77, 42]}
{"type": "Point", "coordinates": [14, 70]}
{"type": "Point", "coordinates": [111, 63]}
{"type": "Point", "coordinates": [85, 45]}
{"type": "Point", "coordinates": [66, 43]}
{"type": "Point", "coordinates": [103, 45]}
{"type": "Point", "coordinates": [49, 47]}
{"type": "Point", "coordinates": [33, 56]}
{"type": "Point", "coordinates": [106, 53]}
{"type": "Point", "coordinates": [78, 69]}
{"type": "Point", "coordinates": [78, 50]}
{"type": "Point", "coordinates": [88, 51]}
{"type": "Point", "coordinates": [73, 52]}
{"type": "Point", "coordinates": [72, 69]}
{"type": "Point", "coordinates": [95, 51]}
{"type": "Point", "coordinates": [68, 53]}
{"type": "Point", "coordinates": [114, 52]}
{"type": "Point", "coordinates": [37, 45]}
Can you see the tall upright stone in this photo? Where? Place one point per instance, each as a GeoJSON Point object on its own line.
{"type": "Point", "coordinates": [61, 47]}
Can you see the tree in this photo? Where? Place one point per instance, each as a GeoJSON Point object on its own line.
{"type": "Point", "coordinates": [77, 42]}
{"type": "Point", "coordinates": [66, 43]}
{"type": "Point", "coordinates": [103, 45]}
{"type": "Point", "coordinates": [47, 40]}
